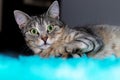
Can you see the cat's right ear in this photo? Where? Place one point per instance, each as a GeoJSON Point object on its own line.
{"type": "Point", "coordinates": [21, 18]}
{"type": "Point", "coordinates": [53, 10]}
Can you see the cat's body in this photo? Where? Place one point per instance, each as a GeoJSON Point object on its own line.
{"type": "Point", "coordinates": [46, 35]}
{"type": "Point", "coordinates": [108, 40]}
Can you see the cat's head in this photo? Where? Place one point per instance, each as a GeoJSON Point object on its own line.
{"type": "Point", "coordinates": [43, 30]}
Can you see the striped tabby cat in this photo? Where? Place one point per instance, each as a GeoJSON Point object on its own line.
{"type": "Point", "coordinates": [46, 35]}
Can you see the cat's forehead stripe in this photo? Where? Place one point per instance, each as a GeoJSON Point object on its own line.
{"type": "Point", "coordinates": [37, 26]}
{"type": "Point", "coordinates": [45, 24]}
{"type": "Point", "coordinates": [41, 23]}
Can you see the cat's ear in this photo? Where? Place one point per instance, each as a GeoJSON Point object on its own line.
{"type": "Point", "coordinates": [21, 18]}
{"type": "Point", "coordinates": [53, 10]}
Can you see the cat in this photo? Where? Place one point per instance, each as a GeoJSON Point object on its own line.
{"type": "Point", "coordinates": [48, 36]}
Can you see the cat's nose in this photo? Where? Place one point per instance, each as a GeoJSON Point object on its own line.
{"type": "Point", "coordinates": [44, 38]}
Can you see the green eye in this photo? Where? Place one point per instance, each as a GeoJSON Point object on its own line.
{"type": "Point", "coordinates": [34, 31]}
{"type": "Point", "coordinates": [50, 28]}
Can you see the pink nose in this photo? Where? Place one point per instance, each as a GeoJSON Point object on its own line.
{"type": "Point", "coordinates": [44, 38]}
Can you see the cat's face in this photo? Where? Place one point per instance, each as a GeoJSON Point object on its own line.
{"type": "Point", "coordinates": [40, 31]}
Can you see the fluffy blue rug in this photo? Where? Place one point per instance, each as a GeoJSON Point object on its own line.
{"type": "Point", "coordinates": [36, 68]}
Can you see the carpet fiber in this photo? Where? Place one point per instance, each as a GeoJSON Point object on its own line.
{"type": "Point", "coordinates": [36, 68]}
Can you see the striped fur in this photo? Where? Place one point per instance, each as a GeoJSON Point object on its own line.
{"type": "Point", "coordinates": [97, 41]}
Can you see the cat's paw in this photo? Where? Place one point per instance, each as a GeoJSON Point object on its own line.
{"type": "Point", "coordinates": [59, 52]}
{"type": "Point", "coordinates": [73, 49]}
{"type": "Point", "coordinates": [46, 53]}
{"type": "Point", "coordinates": [76, 48]}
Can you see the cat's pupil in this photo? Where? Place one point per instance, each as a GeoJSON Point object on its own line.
{"type": "Point", "coordinates": [50, 28]}
{"type": "Point", "coordinates": [34, 31]}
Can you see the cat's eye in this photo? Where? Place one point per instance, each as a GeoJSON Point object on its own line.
{"type": "Point", "coordinates": [34, 31]}
{"type": "Point", "coordinates": [50, 28]}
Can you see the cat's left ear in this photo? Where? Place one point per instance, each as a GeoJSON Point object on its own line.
{"type": "Point", "coordinates": [21, 18]}
{"type": "Point", "coordinates": [53, 10]}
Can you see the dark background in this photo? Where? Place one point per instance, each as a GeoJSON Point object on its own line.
{"type": "Point", "coordinates": [81, 12]}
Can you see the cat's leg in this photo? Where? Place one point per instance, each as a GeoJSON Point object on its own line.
{"type": "Point", "coordinates": [116, 49]}
{"type": "Point", "coordinates": [107, 51]}
{"type": "Point", "coordinates": [57, 49]}
{"type": "Point", "coordinates": [46, 53]}
{"type": "Point", "coordinates": [54, 52]}
{"type": "Point", "coordinates": [79, 48]}
{"type": "Point", "coordinates": [102, 54]}
{"type": "Point", "coordinates": [84, 45]}
{"type": "Point", "coordinates": [60, 51]}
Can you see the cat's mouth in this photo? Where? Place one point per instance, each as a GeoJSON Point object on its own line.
{"type": "Point", "coordinates": [45, 46]}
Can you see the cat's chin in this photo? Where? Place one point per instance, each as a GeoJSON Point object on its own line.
{"type": "Point", "coordinates": [45, 46]}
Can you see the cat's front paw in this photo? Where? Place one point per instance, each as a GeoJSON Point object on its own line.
{"type": "Point", "coordinates": [73, 49]}
{"type": "Point", "coordinates": [55, 52]}
{"type": "Point", "coordinates": [76, 48]}
{"type": "Point", "coordinates": [46, 53]}
{"type": "Point", "coordinates": [59, 52]}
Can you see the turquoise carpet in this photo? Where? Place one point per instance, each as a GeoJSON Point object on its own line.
{"type": "Point", "coordinates": [36, 68]}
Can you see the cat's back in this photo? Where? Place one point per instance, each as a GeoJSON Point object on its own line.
{"type": "Point", "coordinates": [100, 29]}
{"type": "Point", "coordinates": [107, 28]}
{"type": "Point", "coordinates": [109, 33]}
